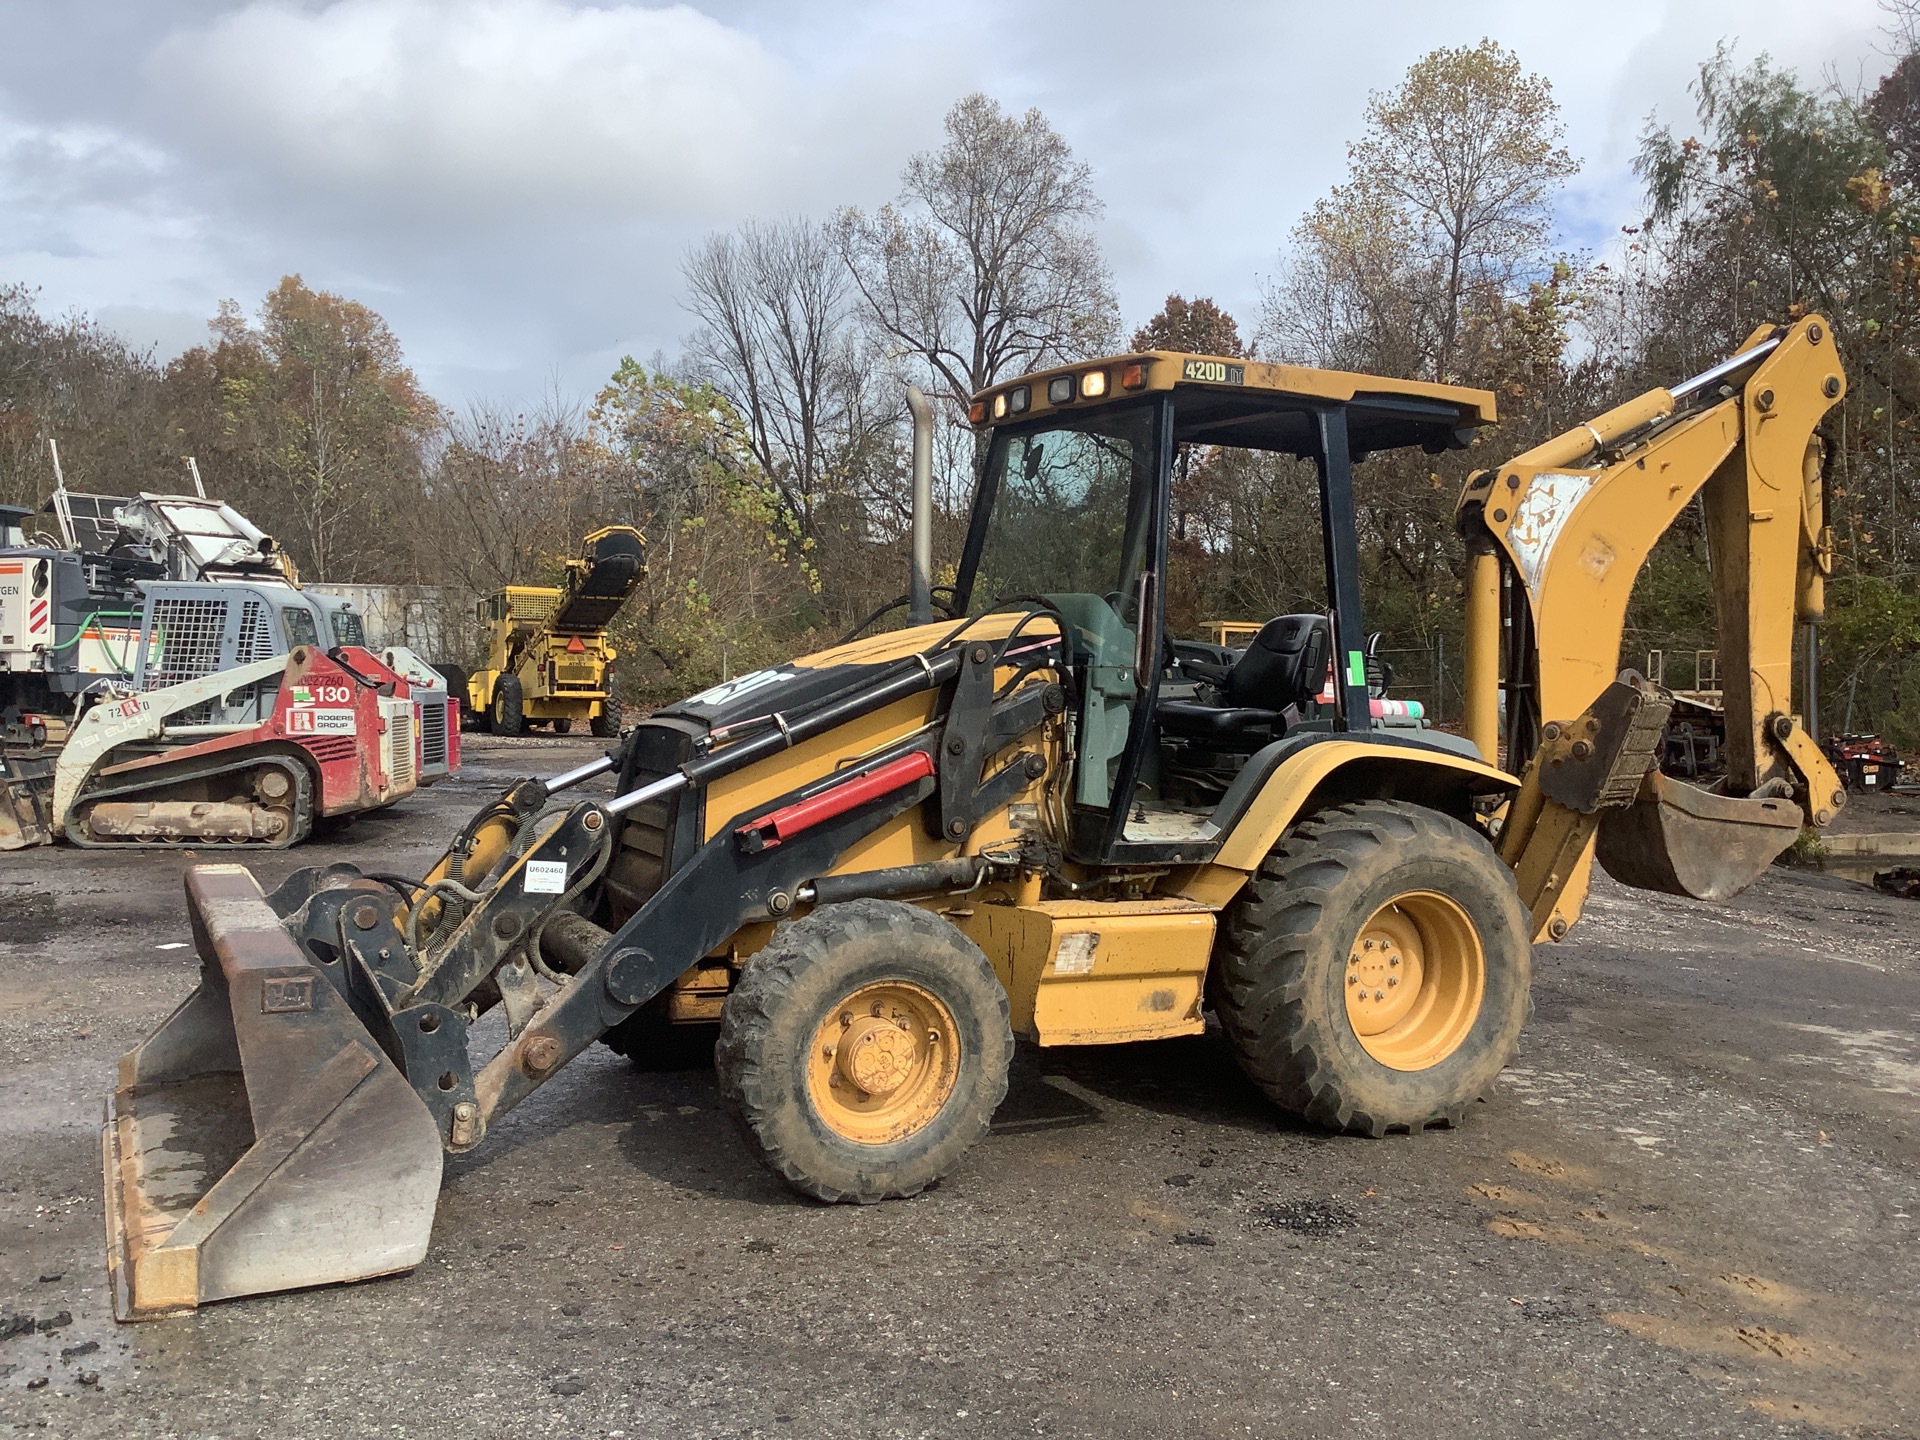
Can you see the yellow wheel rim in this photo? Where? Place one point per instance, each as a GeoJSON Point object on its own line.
{"type": "Point", "coordinates": [884, 1061]}
{"type": "Point", "coordinates": [1415, 978]}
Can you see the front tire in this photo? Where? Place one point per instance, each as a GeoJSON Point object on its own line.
{"type": "Point", "coordinates": [1374, 975]}
{"type": "Point", "coordinates": [864, 1050]}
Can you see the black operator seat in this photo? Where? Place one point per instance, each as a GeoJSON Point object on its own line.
{"type": "Point", "coordinates": [1283, 668]}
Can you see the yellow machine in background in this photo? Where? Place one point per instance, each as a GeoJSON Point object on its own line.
{"type": "Point", "coordinates": [549, 661]}
{"type": "Point", "coordinates": [1229, 634]}
{"type": "Point", "coordinates": [877, 865]}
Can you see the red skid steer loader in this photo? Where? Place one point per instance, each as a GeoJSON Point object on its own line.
{"type": "Point", "coordinates": [152, 770]}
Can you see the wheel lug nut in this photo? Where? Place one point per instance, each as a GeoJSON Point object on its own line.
{"type": "Point", "coordinates": [1393, 960]}
{"type": "Point", "coordinates": [1353, 979]}
{"type": "Point", "coordinates": [1379, 994]}
{"type": "Point", "coordinates": [1393, 980]}
{"type": "Point", "coordinates": [1369, 944]}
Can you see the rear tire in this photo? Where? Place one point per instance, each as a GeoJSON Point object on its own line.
{"type": "Point", "coordinates": [456, 679]}
{"type": "Point", "coordinates": [508, 712]}
{"type": "Point", "coordinates": [1406, 907]}
{"type": "Point", "coordinates": [563, 727]}
{"type": "Point", "coordinates": [605, 724]}
{"type": "Point", "coordinates": [864, 1050]}
{"type": "Point", "coordinates": [654, 1042]}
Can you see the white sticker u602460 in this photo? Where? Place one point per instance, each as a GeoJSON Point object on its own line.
{"type": "Point", "coordinates": [546, 877]}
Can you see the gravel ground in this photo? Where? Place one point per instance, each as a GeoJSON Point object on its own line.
{"type": "Point", "coordinates": [1690, 1210]}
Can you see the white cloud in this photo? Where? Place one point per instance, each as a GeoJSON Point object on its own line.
{"type": "Point", "coordinates": [512, 182]}
{"type": "Point", "coordinates": [510, 111]}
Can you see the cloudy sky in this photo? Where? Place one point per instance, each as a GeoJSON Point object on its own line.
{"type": "Point", "coordinates": [512, 182]}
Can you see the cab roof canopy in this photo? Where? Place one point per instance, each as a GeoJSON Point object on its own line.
{"type": "Point", "coordinates": [1222, 401]}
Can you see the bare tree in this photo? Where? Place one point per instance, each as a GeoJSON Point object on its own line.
{"type": "Point", "coordinates": [511, 494]}
{"type": "Point", "coordinates": [987, 264]}
{"type": "Point", "coordinates": [780, 339]}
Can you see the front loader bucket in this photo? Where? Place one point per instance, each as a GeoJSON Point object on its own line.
{"type": "Point", "coordinates": [1681, 840]}
{"type": "Point", "coordinates": [260, 1139]}
{"type": "Point", "coordinates": [26, 804]}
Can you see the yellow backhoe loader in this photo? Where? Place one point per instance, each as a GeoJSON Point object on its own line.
{"type": "Point", "coordinates": [877, 865]}
{"type": "Point", "coordinates": [549, 661]}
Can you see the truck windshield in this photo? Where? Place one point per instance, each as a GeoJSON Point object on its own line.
{"type": "Point", "coordinates": [1071, 511]}
{"type": "Point", "coordinates": [1071, 517]}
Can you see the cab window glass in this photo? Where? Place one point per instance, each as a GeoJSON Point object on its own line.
{"type": "Point", "coordinates": [300, 627]}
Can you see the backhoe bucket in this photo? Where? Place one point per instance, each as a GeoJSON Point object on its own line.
{"type": "Point", "coordinates": [1680, 840]}
{"type": "Point", "coordinates": [260, 1140]}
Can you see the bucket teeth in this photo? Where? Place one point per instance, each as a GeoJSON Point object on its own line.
{"type": "Point", "coordinates": [260, 1139]}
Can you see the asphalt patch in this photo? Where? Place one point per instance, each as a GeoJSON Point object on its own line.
{"type": "Point", "coordinates": [27, 919]}
{"type": "Point", "coordinates": [1305, 1217]}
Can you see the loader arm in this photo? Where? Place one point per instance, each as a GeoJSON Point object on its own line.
{"type": "Point", "coordinates": [1557, 537]}
{"type": "Point", "coordinates": [380, 983]}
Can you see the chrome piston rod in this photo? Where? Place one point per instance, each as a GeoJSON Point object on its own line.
{"type": "Point", "coordinates": [1707, 379]}
{"type": "Point", "coordinates": [645, 793]}
{"type": "Point", "coordinates": [568, 779]}
{"type": "Point", "coordinates": [623, 803]}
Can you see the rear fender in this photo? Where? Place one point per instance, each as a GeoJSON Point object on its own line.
{"type": "Point", "coordinates": [1336, 771]}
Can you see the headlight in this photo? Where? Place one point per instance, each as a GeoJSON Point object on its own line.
{"type": "Point", "coordinates": [1020, 397]}
{"type": "Point", "coordinates": [1060, 390]}
{"type": "Point", "coordinates": [1000, 406]}
{"type": "Point", "coordinates": [1093, 384]}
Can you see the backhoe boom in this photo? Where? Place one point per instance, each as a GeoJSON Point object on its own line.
{"type": "Point", "coordinates": [1557, 537]}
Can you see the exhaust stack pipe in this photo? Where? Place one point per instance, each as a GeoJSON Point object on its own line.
{"type": "Point", "coordinates": [920, 580]}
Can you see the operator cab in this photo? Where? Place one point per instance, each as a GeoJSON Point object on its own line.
{"type": "Point", "coordinates": [1073, 513]}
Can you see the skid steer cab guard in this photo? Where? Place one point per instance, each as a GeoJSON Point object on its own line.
{"type": "Point", "coordinates": [865, 872]}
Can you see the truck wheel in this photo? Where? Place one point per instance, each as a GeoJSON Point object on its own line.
{"type": "Point", "coordinates": [456, 679]}
{"type": "Point", "coordinates": [563, 726]}
{"type": "Point", "coordinates": [508, 712]}
{"type": "Point", "coordinates": [605, 724]}
{"type": "Point", "coordinates": [865, 1050]}
{"type": "Point", "coordinates": [1374, 975]}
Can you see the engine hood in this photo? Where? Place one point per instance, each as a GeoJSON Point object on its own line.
{"type": "Point", "coordinates": [810, 679]}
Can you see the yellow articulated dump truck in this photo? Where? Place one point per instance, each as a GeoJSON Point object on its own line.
{"type": "Point", "coordinates": [549, 661]}
{"type": "Point", "coordinates": [869, 870]}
